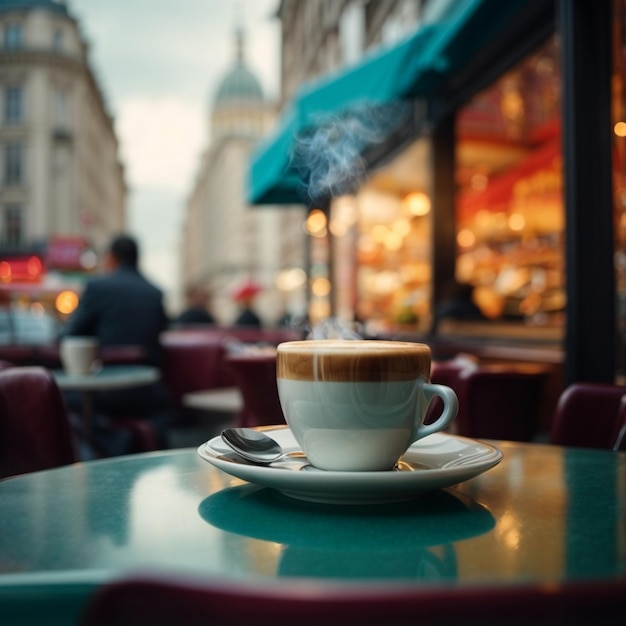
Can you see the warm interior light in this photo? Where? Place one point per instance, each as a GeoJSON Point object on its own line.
{"type": "Point", "coordinates": [516, 221]}
{"type": "Point", "coordinates": [5, 271]}
{"type": "Point", "coordinates": [379, 233]}
{"type": "Point", "coordinates": [401, 226]}
{"type": "Point", "coordinates": [66, 302]}
{"type": "Point", "coordinates": [290, 279]}
{"type": "Point", "coordinates": [316, 223]}
{"type": "Point", "coordinates": [417, 203]}
{"type": "Point", "coordinates": [393, 241]}
{"type": "Point", "coordinates": [33, 266]}
{"type": "Point", "coordinates": [478, 182]}
{"type": "Point", "coordinates": [320, 287]}
{"type": "Point", "coordinates": [620, 129]}
{"type": "Point", "coordinates": [465, 238]}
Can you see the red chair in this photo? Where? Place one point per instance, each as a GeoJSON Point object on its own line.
{"type": "Point", "coordinates": [180, 602]}
{"type": "Point", "coordinates": [586, 415]}
{"type": "Point", "coordinates": [35, 431]}
{"type": "Point", "coordinates": [255, 375]}
{"type": "Point", "coordinates": [500, 401]}
{"type": "Point", "coordinates": [192, 362]}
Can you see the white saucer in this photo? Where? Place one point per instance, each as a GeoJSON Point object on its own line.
{"type": "Point", "coordinates": [437, 461]}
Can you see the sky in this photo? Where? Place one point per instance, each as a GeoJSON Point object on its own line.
{"type": "Point", "coordinates": [159, 63]}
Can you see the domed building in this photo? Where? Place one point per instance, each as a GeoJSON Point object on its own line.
{"type": "Point", "coordinates": [225, 240]}
{"type": "Point", "coordinates": [240, 108]}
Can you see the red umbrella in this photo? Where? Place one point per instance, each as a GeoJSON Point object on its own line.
{"type": "Point", "coordinates": [245, 291]}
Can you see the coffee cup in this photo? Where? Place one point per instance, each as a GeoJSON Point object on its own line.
{"type": "Point", "coordinates": [357, 405]}
{"type": "Point", "coordinates": [78, 354]}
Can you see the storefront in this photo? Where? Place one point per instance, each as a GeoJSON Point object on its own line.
{"type": "Point", "coordinates": [512, 184]}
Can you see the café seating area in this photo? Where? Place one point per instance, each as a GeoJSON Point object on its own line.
{"type": "Point", "coordinates": [497, 399]}
{"type": "Point", "coordinates": [436, 538]}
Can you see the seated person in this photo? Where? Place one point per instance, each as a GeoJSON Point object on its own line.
{"type": "Point", "coordinates": [197, 311]}
{"type": "Point", "coordinates": [457, 304]}
{"type": "Point", "coordinates": [124, 308]}
{"type": "Point", "coordinates": [244, 296]}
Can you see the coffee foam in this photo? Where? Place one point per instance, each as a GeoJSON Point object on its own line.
{"type": "Point", "coordinates": [352, 360]}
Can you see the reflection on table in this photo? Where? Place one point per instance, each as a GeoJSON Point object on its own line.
{"type": "Point", "coordinates": [544, 515]}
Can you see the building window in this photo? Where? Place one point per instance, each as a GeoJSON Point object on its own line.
{"type": "Point", "coordinates": [13, 163]}
{"type": "Point", "coordinates": [12, 36]}
{"type": "Point", "coordinates": [13, 105]}
{"type": "Point", "coordinates": [12, 225]}
{"type": "Point", "coordinates": [57, 40]}
{"type": "Point", "coordinates": [61, 117]}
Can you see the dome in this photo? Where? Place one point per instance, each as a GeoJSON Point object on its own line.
{"type": "Point", "coordinates": [52, 5]}
{"type": "Point", "coordinates": [240, 84]}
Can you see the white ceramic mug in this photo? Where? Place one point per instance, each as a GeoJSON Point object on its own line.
{"type": "Point", "coordinates": [78, 354]}
{"type": "Point", "coordinates": [357, 405]}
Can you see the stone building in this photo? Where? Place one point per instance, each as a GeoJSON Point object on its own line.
{"type": "Point", "coordinates": [61, 174]}
{"type": "Point", "coordinates": [319, 36]}
{"type": "Point", "coordinates": [226, 241]}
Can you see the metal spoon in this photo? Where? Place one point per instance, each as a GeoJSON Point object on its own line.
{"type": "Point", "coordinates": [253, 445]}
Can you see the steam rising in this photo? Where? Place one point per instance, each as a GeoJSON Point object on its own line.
{"type": "Point", "coordinates": [334, 328]}
{"type": "Point", "coordinates": [330, 156]}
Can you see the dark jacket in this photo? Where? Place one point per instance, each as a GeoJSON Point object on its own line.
{"type": "Point", "coordinates": [248, 317]}
{"type": "Point", "coordinates": [122, 308]}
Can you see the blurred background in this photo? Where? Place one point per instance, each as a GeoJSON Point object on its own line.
{"type": "Point", "coordinates": [406, 165]}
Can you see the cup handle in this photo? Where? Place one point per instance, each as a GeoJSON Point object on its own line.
{"type": "Point", "coordinates": [450, 409]}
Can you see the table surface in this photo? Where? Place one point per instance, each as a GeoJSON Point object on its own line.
{"type": "Point", "coordinates": [545, 514]}
{"type": "Point", "coordinates": [108, 377]}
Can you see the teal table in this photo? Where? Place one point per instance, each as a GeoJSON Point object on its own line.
{"type": "Point", "coordinates": [544, 515]}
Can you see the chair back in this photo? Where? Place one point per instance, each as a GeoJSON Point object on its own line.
{"type": "Point", "coordinates": [35, 431]}
{"type": "Point", "coordinates": [501, 401]}
{"type": "Point", "coordinates": [177, 602]}
{"type": "Point", "coordinates": [193, 363]}
{"type": "Point", "coordinates": [586, 415]}
{"type": "Point", "coordinates": [255, 375]}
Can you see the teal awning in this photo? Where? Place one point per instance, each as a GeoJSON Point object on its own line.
{"type": "Point", "coordinates": [271, 179]}
{"type": "Point", "coordinates": [412, 69]}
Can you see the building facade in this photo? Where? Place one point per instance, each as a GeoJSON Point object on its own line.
{"type": "Point", "coordinates": [524, 131]}
{"type": "Point", "coordinates": [62, 178]}
{"type": "Point", "coordinates": [225, 240]}
{"type": "Point", "coordinates": [320, 36]}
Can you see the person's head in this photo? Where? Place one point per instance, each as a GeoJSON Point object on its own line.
{"type": "Point", "coordinates": [123, 252]}
{"type": "Point", "coordinates": [197, 296]}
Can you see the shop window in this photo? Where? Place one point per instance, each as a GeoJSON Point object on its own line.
{"type": "Point", "coordinates": [509, 206]}
{"type": "Point", "coordinates": [13, 163]}
{"type": "Point", "coordinates": [390, 220]}
{"type": "Point", "coordinates": [619, 174]}
{"type": "Point", "coordinates": [12, 36]}
{"type": "Point", "coordinates": [13, 105]}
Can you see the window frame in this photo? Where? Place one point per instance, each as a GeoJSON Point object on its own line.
{"type": "Point", "coordinates": [13, 104]}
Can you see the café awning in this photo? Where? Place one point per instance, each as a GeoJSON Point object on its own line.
{"type": "Point", "coordinates": [412, 69]}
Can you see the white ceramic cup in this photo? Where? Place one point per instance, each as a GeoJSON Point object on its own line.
{"type": "Point", "coordinates": [357, 405]}
{"type": "Point", "coordinates": [78, 354]}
